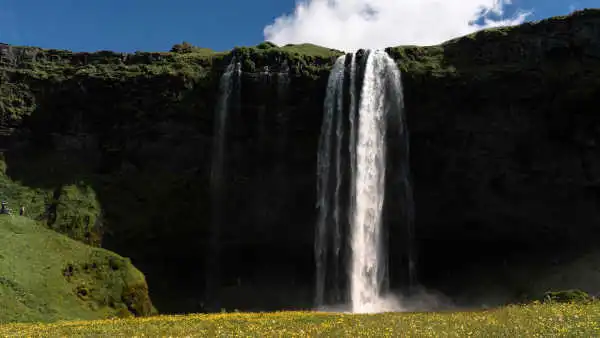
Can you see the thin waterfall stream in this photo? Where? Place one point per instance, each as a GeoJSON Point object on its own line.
{"type": "Point", "coordinates": [229, 83]}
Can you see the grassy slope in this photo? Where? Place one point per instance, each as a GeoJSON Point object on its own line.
{"type": "Point", "coordinates": [556, 320]}
{"type": "Point", "coordinates": [46, 276]}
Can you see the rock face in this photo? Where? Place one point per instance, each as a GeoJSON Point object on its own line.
{"type": "Point", "coordinates": [503, 141]}
{"type": "Point", "coordinates": [115, 150]}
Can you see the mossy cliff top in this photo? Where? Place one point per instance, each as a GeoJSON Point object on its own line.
{"type": "Point", "coordinates": [47, 276]}
{"type": "Point", "coordinates": [303, 59]}
{"type": "Point", "coordinates": [26, 57]}
{"type": "Point", "coordinates": [506, 48]}
{"type": "Point", "coordinates": [493, 49]}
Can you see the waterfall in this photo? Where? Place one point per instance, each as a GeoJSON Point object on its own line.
{"type": "Point", "coordinates": [352, 145]}
{"type": "Point", "coordinates": [323, 248]}
{"type": "Point", "coordinates": [368, 269]}
{"type": "Point", "coordinates": [375, 116]}
{"type": "Point", "coordinates": [228, 85]}
{"type": "Point", "coordinates": [402, 161]}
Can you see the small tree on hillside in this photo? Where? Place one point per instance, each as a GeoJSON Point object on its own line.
{"type": "Point", "coordinates": [184, 47]}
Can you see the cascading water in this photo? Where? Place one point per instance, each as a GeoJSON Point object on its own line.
{"type": "Point", "coordinates": [228, 85]}
{"type": "Point", "coordinates": [326, 250]}
{"type": "Point", "coordinates": [368, 269]}
{"type": "Point", "coordinates": [379, 101]}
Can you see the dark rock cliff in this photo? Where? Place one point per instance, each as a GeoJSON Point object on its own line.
{"type": "Point", "coordinates": [115, 150]}
{"type": "Point", "coordinates": [503, 142]}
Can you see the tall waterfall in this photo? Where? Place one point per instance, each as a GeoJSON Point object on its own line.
{"type": "Point", "coordinates": [368, 269]}
{"type": "Point", "coordinates": [327, 239]}
{"type": "Point", "coordinates": [228, 86]}
{"type": "Point", "coordinates": [352, 184]}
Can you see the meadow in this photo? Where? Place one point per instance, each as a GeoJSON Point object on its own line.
{"type": "Point", "coordinates": [533, 320]}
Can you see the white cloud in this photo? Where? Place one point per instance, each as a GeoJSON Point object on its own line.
{"type": "Point", "coordinates": [352, 24]}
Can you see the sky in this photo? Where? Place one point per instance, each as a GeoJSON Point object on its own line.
{"type": "Point", "coordinates": [155, 25]}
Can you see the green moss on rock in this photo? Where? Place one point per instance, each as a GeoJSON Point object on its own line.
{"type": "Point", "coordinates": [71, 209]}
{"type": "Point", "coordinates": [76, 213]}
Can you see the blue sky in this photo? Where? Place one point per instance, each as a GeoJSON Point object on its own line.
{"type": "Point", "coordinates": [155, 25]}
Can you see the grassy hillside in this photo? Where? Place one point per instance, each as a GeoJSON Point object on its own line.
{"type": "Point", "coordinates": [555, 320]}
{"type": "Point", "coordinates": [46, 276]}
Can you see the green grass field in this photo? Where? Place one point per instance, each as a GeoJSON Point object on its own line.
{"type": "Point", "coordinates": [535, 320]}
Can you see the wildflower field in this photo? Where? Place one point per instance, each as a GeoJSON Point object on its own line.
{"type": "Point", "coordinates": [535, 320]}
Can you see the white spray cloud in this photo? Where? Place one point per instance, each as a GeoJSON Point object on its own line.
{"type": "Point", "coordinates": [352, 24]}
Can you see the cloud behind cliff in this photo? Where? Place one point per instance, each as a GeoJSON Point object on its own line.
{"type": "Point", "coordinates": [353, 24]}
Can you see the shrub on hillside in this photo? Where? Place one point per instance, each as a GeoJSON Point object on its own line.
{"type": "Point", "coordinates": [184, 47]}
{"type": "Point", "coordinates": [568, 296]}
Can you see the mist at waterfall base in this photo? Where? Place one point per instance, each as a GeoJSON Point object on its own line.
{"type": "Point", "coordinates": [355, 165]}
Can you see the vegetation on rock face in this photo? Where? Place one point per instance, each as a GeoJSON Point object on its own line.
{"type": "Point", "coordinates": [75, 211]}
{"type": "Point", "coordinates": [71, 209]}
{"type": "Point", "coordinates": [31, 75]}
{"type": "Point", "coordinates": [304, 60]}
{"type": "Point", "coordinates": [266, 45]}
{"type": "Point", "coordinates": [47, 277]}
{"type": "Point", "coordinates": [555, 320]}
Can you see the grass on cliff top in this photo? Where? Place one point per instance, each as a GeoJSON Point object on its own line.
{"type": "Point", "coordinates": [311, 50]}
{"type": "Point", "coordinates": [535, 320]}
{"type": "Point", "coordinates": [46, 276]}
{"type": "Point", "coordinates": [193, 60]}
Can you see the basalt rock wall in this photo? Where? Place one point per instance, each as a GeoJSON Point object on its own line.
{"type": "Point", "coordinates": [115, 150]}
{"type": "Point", "coordinates": [504, 142]}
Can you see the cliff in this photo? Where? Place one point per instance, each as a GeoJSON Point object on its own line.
{"type": "Point", "coordinates": [115, 149]}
